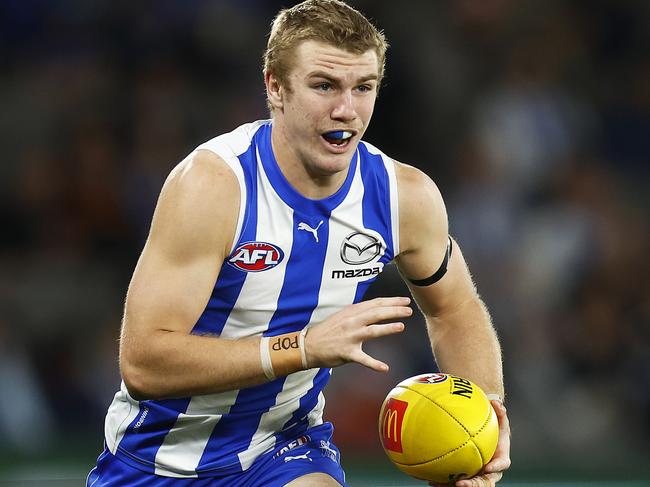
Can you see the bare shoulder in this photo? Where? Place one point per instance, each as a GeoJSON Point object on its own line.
{"type": "Point", "coordinates": [423, 216]}
{"type": "Point", "coordinates": [199, 202]}
{"type": "Point", "coordinates": [204, 172]}
{"type": "Point", "coordinates": [415, 187]}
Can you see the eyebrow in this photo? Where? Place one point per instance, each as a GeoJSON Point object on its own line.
{"type": "Point", "coordinates": [325, 75]}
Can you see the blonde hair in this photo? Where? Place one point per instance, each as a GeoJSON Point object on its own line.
{"type": "Point", "coordinates": [330, 21]}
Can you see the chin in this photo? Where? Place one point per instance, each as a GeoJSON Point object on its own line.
{"type": "Point", "coordinates": [335, 163]}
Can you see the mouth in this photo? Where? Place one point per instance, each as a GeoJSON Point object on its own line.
{"type": "Point", "coordinates": [339, 139]}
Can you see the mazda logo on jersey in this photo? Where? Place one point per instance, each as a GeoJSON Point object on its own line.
{"type": "Point", "coordinates": [256, 256]}
{"type": "Point", "coordinates": [360, 248]}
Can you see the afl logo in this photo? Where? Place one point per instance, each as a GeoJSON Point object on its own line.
{"type": "Point", "coordinates": [360, 248]}
{"type": "Point", "coordinates": [256, 256]}
{"type": "Point", "coordinates": [432, 378]}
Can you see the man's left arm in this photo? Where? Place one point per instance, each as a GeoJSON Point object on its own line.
{"type": "Point", "coordinates": [463, 340]}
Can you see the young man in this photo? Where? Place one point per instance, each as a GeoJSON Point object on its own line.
{"type": "Point", "coordinates": [249, 288]}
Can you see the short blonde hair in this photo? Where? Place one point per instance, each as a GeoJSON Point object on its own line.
{"type": "Point", "coordinates": [330, 21]}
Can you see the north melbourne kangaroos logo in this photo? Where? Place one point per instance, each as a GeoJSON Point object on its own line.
{"type": "Point", "coordinates": [256, 256]}
{"type": "Point", "coordinates": [360, 248]}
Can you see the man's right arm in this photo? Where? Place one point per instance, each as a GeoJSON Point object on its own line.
{"type": "Point", "coordinates": [191, 233]}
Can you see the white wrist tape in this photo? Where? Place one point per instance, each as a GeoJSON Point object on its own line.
{"type": "Point", "coordinates": [495, 397]}
{"type": "Point", "coordinates": [265, 354]}
{"type": "Point", "coordinates": [301, 345]}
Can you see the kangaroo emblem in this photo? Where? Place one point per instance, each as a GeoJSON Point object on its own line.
{"type": "Point", "coordinates": [299, 457]}
{"type": "Point", "coordinates": [314, 231]}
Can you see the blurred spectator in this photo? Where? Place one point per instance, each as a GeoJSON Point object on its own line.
{"type": "Point", "coordinates": [26, 422]}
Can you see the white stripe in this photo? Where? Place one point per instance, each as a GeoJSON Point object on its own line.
{"type": "Point", "coordinates": [259, 295]}
{"type": "Point", "coordinates": [315, 416]}
{"type": "Point", "coordinates": [394, 200]}
{"type": "Point", "coordinates": [346, 218]}
{"type": "Point", "coordinates": [121, 413]}
{"type": "Point", "coordinates": [287, 401]}
{"type": "Point", "coordinates": [181, 452]}
{"type": "Point", "coordinates": [229, 147]}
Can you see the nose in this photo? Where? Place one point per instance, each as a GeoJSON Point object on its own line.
{"type": "Point", "coordinates": [344, 108]}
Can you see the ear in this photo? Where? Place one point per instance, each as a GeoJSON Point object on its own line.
{"type": "Point", "coordinates": [274, 91]}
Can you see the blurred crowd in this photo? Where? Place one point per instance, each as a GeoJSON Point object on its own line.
{"type": "Point", "coordinates": [532, 117]}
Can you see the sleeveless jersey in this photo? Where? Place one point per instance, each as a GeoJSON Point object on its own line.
{"type": "Point", "coordinates": [294, 263]}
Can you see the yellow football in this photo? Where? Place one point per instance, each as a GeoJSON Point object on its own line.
{"type": "Point", "coordinates": [438, 427]}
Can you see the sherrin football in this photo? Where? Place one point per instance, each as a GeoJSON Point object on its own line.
{"type": "Point", "coordinates": [438, 427]}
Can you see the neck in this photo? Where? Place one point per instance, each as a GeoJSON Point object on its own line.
{"type": "Point", "coordinates": [305, 177]}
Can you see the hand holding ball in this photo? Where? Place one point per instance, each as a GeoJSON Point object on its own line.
{"type": "Point", "coordinates": [438, 427]}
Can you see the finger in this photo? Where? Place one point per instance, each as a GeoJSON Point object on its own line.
{"type": "Point", "coordinates": [498, 464]}
{"type": "Point", "coordinates": [484, 480]}
{"type": "Point", "coordinates": [376, 331]}
{"type": "Point", "coordinates": [501, 411]}
{"type": "Point", "coordinates": [501, 459]}
{"type": "Point", "coordinates": [377, 302]}
{"type": "Point", "coordinates": [389, 301]}
{"type": "Point", "coordinates": [385, 313]}
{"type": "Point", "coordinates": [366, 360]}
{"type": "Point", "coordinates": [488, 480]}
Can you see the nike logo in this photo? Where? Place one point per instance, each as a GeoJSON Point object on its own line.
{"type": "Point", "coordinates": [307, 228]}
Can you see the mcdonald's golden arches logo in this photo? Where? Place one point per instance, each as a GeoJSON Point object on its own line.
{"type": "Point", "coordinates": [391, 424]}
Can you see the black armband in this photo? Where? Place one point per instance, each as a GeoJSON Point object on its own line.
{"type": "Point", "coordinates": [442, 270]}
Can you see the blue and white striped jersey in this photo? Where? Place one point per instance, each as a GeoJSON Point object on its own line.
{"type": "Point", "coordinates": [295, 262]}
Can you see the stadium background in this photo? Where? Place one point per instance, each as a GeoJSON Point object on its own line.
{"type": "Point", "coordinates": [533, 118]}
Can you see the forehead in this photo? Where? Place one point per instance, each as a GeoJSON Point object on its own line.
{"type": "Point", "coordinates": [318, 56]}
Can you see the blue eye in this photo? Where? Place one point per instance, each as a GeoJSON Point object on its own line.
{"type": "Point", "coordinates": [323, 86]}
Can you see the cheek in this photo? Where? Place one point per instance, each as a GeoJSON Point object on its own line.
{"type": "Point", "coordinates": [366, 109]}
{"type": "Point", "coordinates": [300, 113]}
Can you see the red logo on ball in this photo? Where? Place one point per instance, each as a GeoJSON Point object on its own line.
{"type": "Point", "coordinates": [391, 424]}
{"type": "Point", "coordinates": [256, 256]}
{"type": "Point", "coordinates": [432, 378]}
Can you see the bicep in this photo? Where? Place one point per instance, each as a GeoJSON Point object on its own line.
{"type": "Point", "coordinates": [450, 292]}
{"type": "Point", "coordinates": [167, 293]}
{"type": "Point", "coordinates": [424, 231]}
{"type": "Point", "coordinates": [191, 232]}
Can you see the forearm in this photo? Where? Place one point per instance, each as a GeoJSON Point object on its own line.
{"type": "Point", "coordinates": [174, 364]}
{"type": "Point", "coordinates": [465, 343]}
{"type": "Point", "coordinates": [161, 364]}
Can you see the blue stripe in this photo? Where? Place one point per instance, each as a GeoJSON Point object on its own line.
{"type": "Point", "coordinates": [231, 280]}
{"type": "Point", "coordinates": [298, 423]}
{"type": "Point", "coordinates": [375, 207]}
{"type": "Point", "coordinates": [296, 303]}
{"type": "Point", "coordinates": [234, 431]}
{"type": "Point", "coordinates": [376, 198]}
{"type": "Point", "coordinates": [147, 431]}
